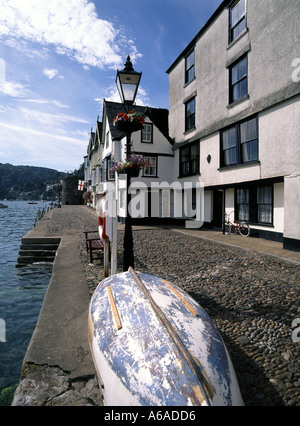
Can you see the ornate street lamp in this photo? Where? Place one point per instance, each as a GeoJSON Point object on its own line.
{"type": "Point", "coordinates": [127, 82]}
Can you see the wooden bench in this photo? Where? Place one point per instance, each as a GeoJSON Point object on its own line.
{"type": "Point", "coordinates": [93, 244]}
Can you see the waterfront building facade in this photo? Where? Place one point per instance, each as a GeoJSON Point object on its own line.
{"type": "Point", "coordinates": [234, 113]}
{"type": "Point", "coordinates": [108, 147]}
{"type": "Point", "coordinates": [232, 126]}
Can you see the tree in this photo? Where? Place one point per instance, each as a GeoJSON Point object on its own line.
{"type": "Point", "coordinates": [28, 186]}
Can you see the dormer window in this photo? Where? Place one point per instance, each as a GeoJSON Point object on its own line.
{"type": "Point", "coordinates": [147, 133]}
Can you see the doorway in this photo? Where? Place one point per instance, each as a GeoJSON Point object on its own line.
{"type": "Point", "coordinates": [218, 208]}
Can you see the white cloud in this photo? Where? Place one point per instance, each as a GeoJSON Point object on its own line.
{"type": "Point", "coordinates": [31, 131]}
{"type": "Point", "coordinates": [34, 147]}
{"type": "Point", "coordinates": [48, 119]}
{"type": "Point", "coordinates": [5, 108]}
{"type": "Point", "coordinates": [72, 26]}
{"type": "Point", "coordinates": [59, 104]}
{"type": "Point", "coordinates": [12, 89]}
{"type": "Point", "coordinates": [9, 88]}
{"type": "Point", "coordinates": [43, 138]}
{"type": "Point", "coordinates": [45, 102]}
{"type": "Point", "coordinates": [50, 73]}
{"type": "Point", "coordinates": [24, 48]}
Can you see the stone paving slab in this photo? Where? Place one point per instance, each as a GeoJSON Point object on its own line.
{"type": "Point", "coordinates": [259, 245]}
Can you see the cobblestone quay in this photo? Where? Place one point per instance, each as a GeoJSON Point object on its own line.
{"type": "Point", "coordinates": [252, 298]}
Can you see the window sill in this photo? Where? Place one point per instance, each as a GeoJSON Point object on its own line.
{"type": "Point", "coordinates": [187, 176]}
{"type": "Point", "coordinates": [236, 40]}
{"type": "Point", "coordinates": [267, 225]}
{"type": "Point", "coordinates": [189, 131]}
{"type": "Point", "coordinates": [189, 82]}
{"type": "Point", "coordinates": [236, 166]}
{"type": "Point", "coordinates": [239, 101]}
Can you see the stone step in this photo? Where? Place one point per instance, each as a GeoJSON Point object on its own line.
{"type": "Point", "coordinates": [42, 240]}
{"type": "Point", "coordinates": [34, 250]}
{"type": "Point", "coordinates": [29, 260]}
{"type": "Point", "coordinates": [37, 253]}
{"type": "Point", "coordinates": [39, 247]}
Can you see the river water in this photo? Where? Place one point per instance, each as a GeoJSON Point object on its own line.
{"type": "Point", "coordinates": [22, 290]}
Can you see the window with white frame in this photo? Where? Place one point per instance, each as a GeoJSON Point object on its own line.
{"type": "Point", "coordinates": [147, 133]}
{"type": "Point", "coordinates": [255, 204]}
{"type": "Point", "coordinates": [243, 206]}
{"type": "Point", "coordinates": [152, 169]}
{"type": "Point", "coordinates": [265, 204]}
{"type": "Point", "coordinates": [110, 171]}
{"type": "Point", "coordinates": [107, 172]}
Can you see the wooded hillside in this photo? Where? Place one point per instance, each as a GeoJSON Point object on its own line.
{"type": "Point", "coordinates": [26, 182]}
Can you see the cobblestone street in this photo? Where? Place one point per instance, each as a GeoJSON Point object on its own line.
{"type": "Point", "coordinates": [252, 298]}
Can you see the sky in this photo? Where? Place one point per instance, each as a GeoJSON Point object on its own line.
{"type": "Point", "coordinates": [58, 60]}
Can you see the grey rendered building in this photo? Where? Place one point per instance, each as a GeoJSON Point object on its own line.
{"type": "Point", "coordinates": [234, 115]}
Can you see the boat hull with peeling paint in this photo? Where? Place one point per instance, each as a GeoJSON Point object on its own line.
{"type": "Point", "coordinates": [154, 345]}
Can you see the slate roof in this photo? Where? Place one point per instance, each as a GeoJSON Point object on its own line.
{"type": "Point", "coordinates": [99, 129]}
{"type": "Point", "coordinates": [158, 116]}
{"type": "Point", "coordinates": [91, 142]}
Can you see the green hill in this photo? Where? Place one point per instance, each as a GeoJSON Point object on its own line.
{"type": "Point", "coordinates": [26, 182]}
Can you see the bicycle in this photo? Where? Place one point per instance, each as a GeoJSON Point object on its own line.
{"type": "Point", "coordinates": [241, 227]}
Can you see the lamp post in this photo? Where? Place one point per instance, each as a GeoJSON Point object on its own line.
{"type": "Point", "coordinates": [127, 82]}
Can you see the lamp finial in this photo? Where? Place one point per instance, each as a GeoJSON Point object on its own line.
{"type": "Point", "coordinates": [128, 65]}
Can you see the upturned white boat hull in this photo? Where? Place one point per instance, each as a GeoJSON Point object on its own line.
{"type": "Point", "coordinates": [154, 345]}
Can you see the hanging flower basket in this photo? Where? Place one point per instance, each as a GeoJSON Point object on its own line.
{"type": "Point", "coordinates": [129, 122]}
{"type": "Point", "coordinates": [132, 171]}
{"type": "Point", "coordinates": [132, 165]}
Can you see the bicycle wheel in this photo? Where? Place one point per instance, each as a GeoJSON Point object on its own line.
{"type": "Point", "coordinates": [244, 229]}
{"type": "Point", "coordinates": [227, 228]}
